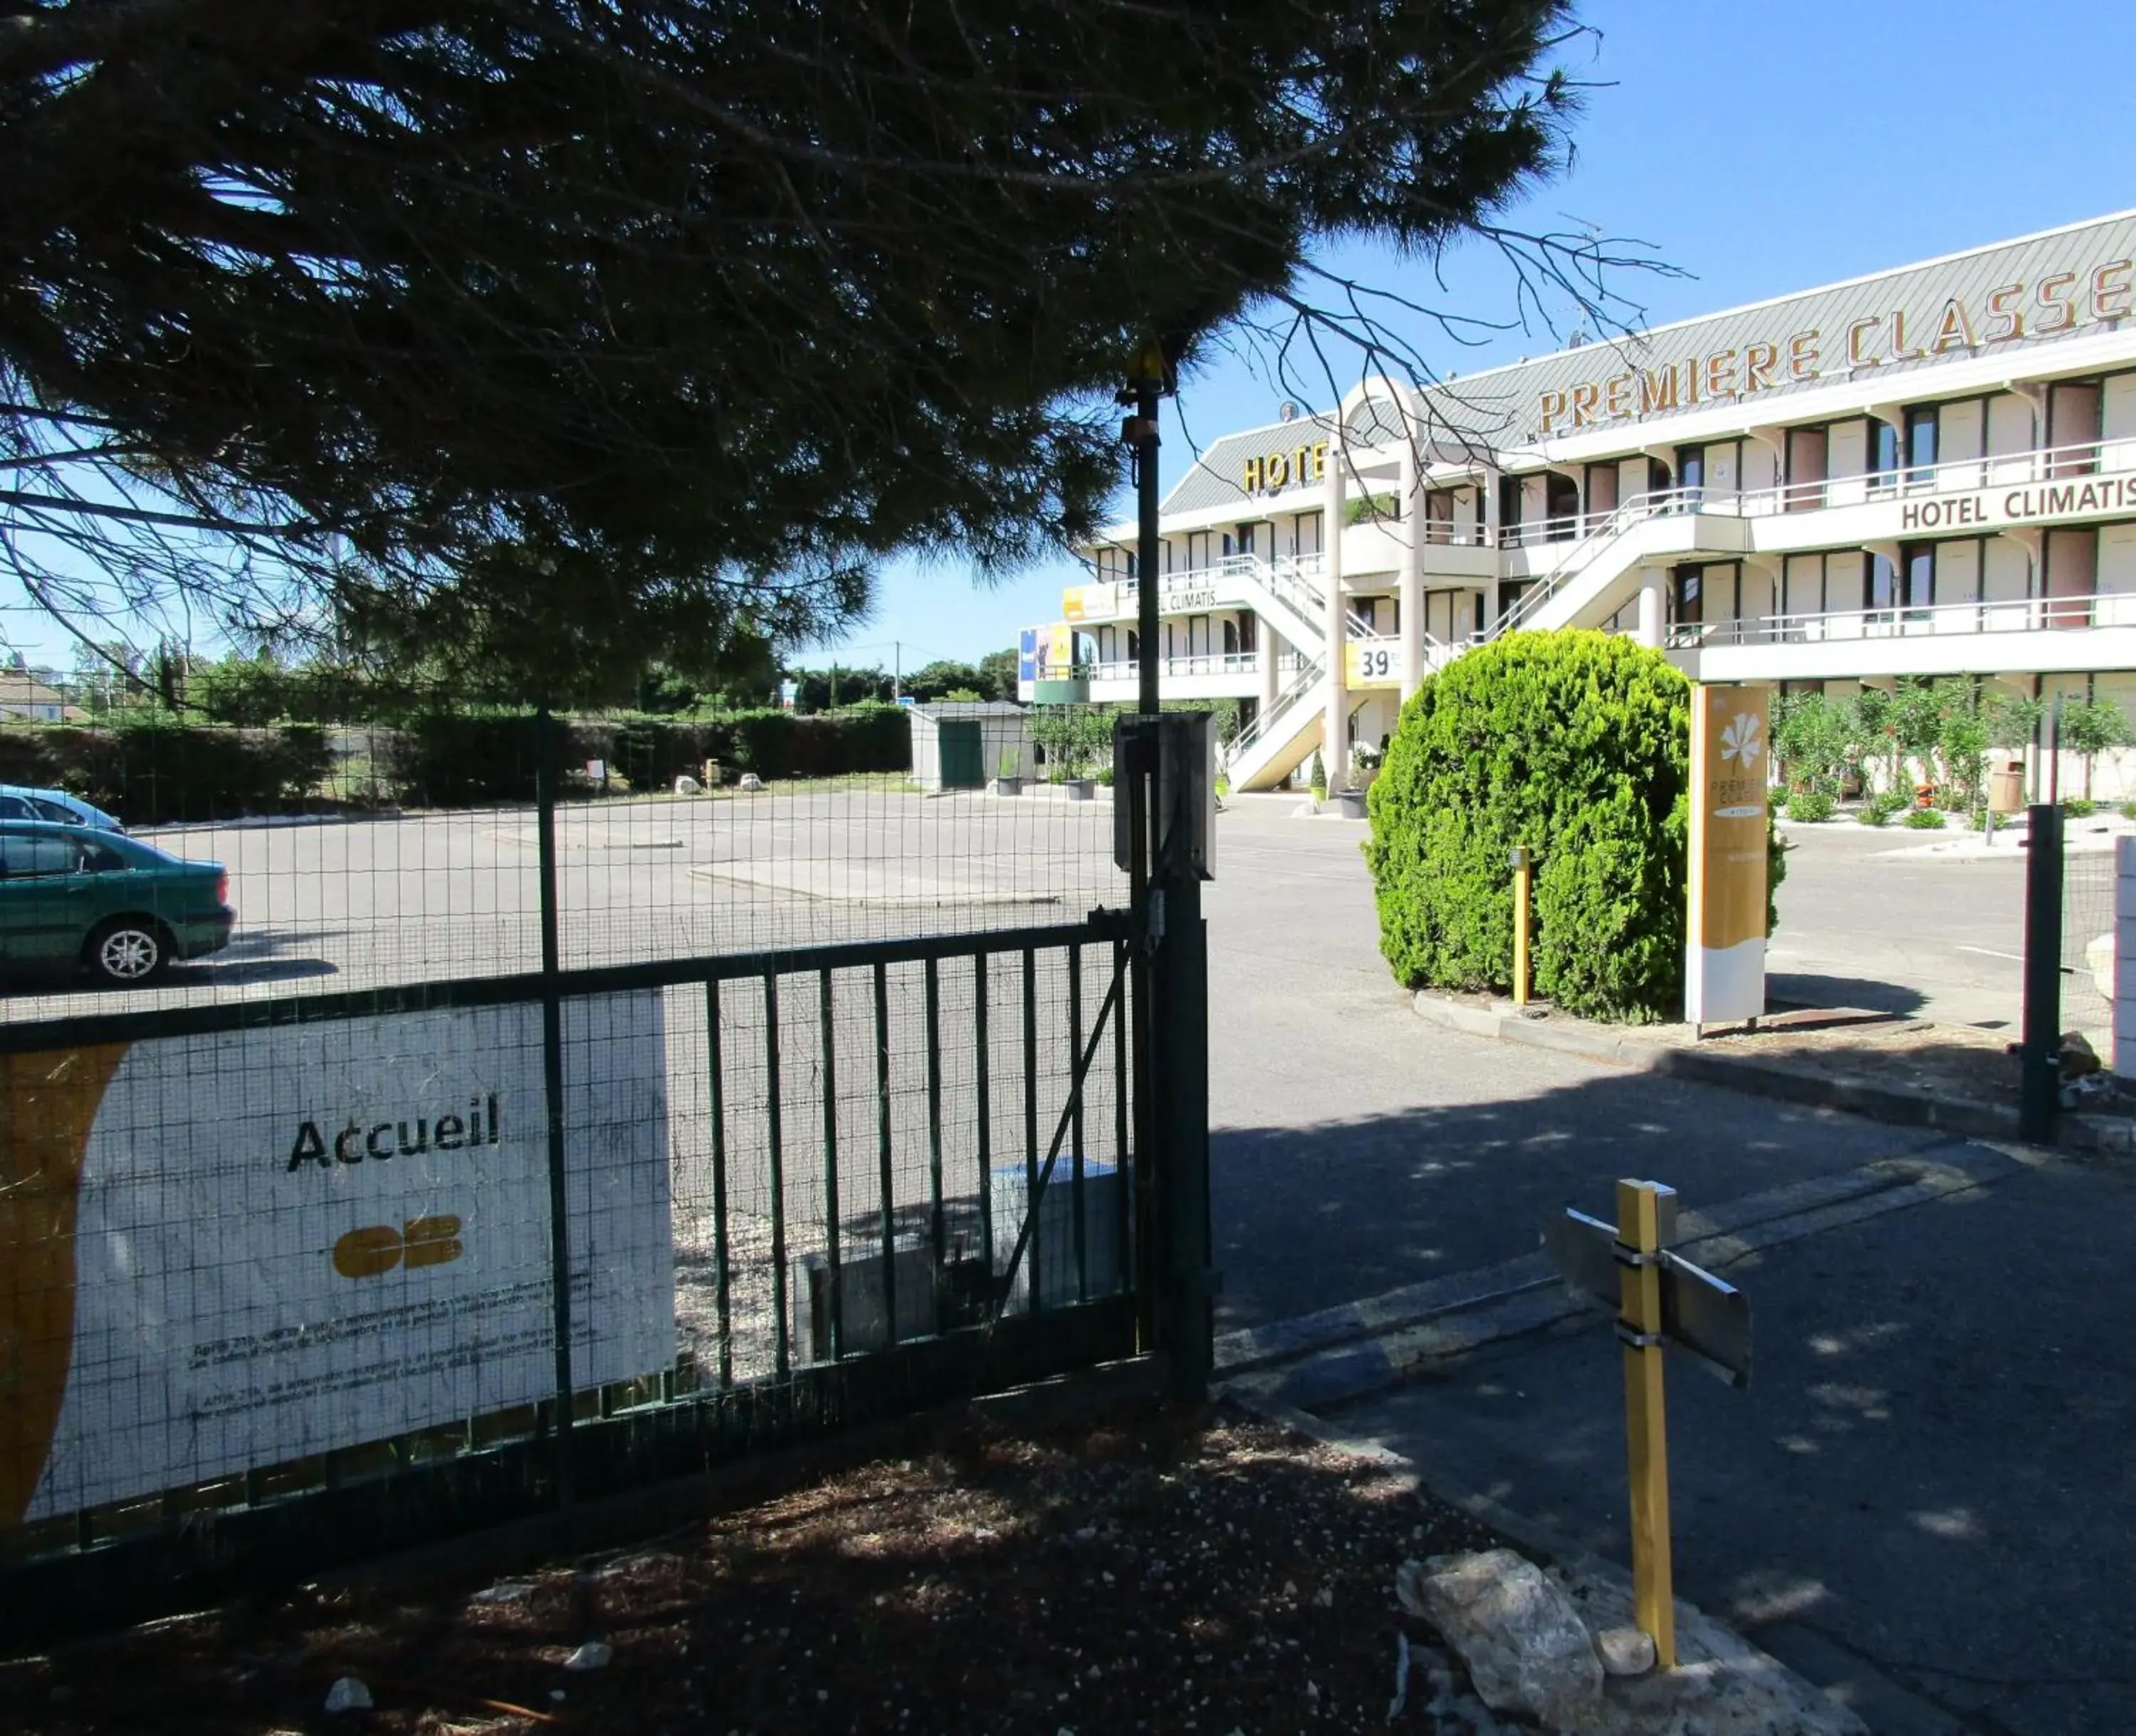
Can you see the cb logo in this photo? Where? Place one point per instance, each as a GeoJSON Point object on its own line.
{"type": "Point", "coordinates": [365, 1253]}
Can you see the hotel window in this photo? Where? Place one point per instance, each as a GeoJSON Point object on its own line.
{"type": "Point", "coordinates": [1917, 576]}
{"type": "Point", "coordinates": [1688, 597]}
{"type": "Point", "coordinates": [1561, 496]}
{"type": "Point", "coordinates": [1883, 456]}
{"type": "Point", "coordinates": [2072, 576]}
{"type": "Point", "coordinates": [1601, 490]}
{"type": "Point", "coordinates": [1691, 470]}
{"type": "Point", "coordinates": [1809, 458]}
{"type": "Point", "coordinates": [1921, 425]}
{"type": "Point", "coordinates": [1439, 515]}
{"type": "Point", "coordinates": [1880, 583]}
{"type": "Point", "coordinates": [1509, 505]}
{"type": "Point", "coordinates": [1249, 631]}
{"type": "Point", "coordinates": [2073, 420]}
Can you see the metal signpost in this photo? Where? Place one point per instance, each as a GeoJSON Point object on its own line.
{"type": "Point", "coordinates": [1662, 1299]}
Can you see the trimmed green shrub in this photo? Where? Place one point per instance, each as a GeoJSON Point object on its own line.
{"type": "Point", "coordinates": [1577, 745]}
{"type": "Point", "coordinates": [2078, 807]}
{"type": "Point", "coordinates": [161, 772]}
{"type": "Point", "coordinates": [1812, 805]}
{"type": "Point", "coordinates": [1926, 820]}
{"type": "Point", "coordinates": [449, 760]}
{"type": "Point", "coordinates": [2127, 810]}
{"type": "Point", "coordinates": [1882, 808]}
{"type": "Point", "coordinates": [1317, 777]}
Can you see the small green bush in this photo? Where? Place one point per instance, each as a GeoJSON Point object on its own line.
{"type": "Point", "coordinates": [2078, 807]}
{"type": "Point", "coordinates": [160, 771]}
{"type": "Point", "coordinates": [1881, 809]}
{"type": "Point", "coordinates": [1576, 744]}
{"type": "Point", "coordinates": [1317, 778]}
{"type": "Point", "coordinates": [1812, 805]}
{"type": "Point", "coordinates": [2127, 810]}
{"type": "Point", "coordinates": [1926, 820]}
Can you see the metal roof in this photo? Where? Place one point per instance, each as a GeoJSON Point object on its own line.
{"type": "Point", "coordinates": [1501, 407]}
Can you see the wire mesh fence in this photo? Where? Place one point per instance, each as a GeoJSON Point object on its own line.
{"type": "Point", "coordinates": [260, 1259]}
{"type": "Point", "coordinates": [2088, 945]}
{"type": "Point", "coordinates": [561, 1109]}
{"type": "Point", "coordinates": [369, 854]}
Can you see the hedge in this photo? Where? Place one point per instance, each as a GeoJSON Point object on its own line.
{"type": "Point", "coordinates": [161, 771]}
{"type": "Point", "coordinates": [157, 773]}
{"type": "Point", "coordinates": [1577, 745]}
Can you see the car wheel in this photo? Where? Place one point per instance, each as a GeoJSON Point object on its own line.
{"type": "Point", "coordinates": [129, 951]}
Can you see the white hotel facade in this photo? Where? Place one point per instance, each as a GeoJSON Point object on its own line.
{"type": "Point", "coordinates": [1930, 471]}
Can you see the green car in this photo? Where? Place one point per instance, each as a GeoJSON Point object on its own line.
{"type": "Point", "coordinates": [119, 907]}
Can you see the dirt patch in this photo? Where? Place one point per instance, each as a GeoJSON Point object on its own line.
{"type": "Point", "coordinates": [1138, 1570]}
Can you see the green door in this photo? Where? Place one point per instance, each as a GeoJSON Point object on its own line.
{"type": "Point", "coordinates": [964, 756]}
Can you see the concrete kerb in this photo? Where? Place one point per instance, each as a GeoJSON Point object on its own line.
{"type": "Point", "coordinates": [1733, 1684]}
{"type": "Point", "coordinates": [1893, 1104]}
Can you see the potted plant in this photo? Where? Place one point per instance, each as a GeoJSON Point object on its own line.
{"type": "Point", "coordinates": [1008, 773]}
{"type": "Point", "coordinates": [1317, 778]}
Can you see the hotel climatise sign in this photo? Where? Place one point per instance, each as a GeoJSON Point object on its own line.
{"type": "Point", "coordinates": [1724, 939]}
{"type": "Point", "coordinates": [2045, 306]}
{"type": "Point", "coordinates": [220, 1253]}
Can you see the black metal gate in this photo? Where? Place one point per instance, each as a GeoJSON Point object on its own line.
{"type": "Point", "coordinates": [896, 1175]}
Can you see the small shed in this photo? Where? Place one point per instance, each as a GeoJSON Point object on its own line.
{"type": "Point", "coordinates": [964, 744]}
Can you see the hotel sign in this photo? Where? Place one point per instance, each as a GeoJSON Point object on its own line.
{"type": "Point", "coordinates": [1990, 507]}
{"type": "Point", "coordinates": [2045, 306]}
{"type": "Point", "coordinates": [1291, 470]}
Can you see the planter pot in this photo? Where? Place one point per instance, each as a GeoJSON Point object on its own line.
{"type": "Point", "coordinates": [1081, 789]}
{"type": "Point", "coordinates": [1350, 804]}
{"type": "Point", "coordinates": [1008, 786]}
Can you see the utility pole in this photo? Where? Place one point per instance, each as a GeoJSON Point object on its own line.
{"type": "Point", "coordinates": [1151, 377]}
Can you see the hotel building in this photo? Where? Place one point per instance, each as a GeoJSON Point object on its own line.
{"type": "Point", "coordinates": [1930, 471]}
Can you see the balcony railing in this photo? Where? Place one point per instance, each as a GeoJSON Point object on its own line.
{"type": "Point", "coordinates": [1218, 663]}
{"type": "Point", "coordinates": [1955, 475]}
{"type": "Point", "coordinates": [2021, 614]}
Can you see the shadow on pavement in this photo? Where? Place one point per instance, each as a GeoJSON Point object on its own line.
{"type": "Point", "coordinates": [1926, 1484]}
{"type": "Point", "coordinates": [1787, 991]}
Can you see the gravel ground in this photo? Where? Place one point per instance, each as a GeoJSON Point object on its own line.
{"type": "Point", "coordinates": [1139, 1571]}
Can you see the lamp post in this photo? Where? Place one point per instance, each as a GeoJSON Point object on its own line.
{"type": "Point", "coordinates": [1152, 376]}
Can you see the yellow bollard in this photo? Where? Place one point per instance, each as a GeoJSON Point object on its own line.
{"type": "Point", "coordinates": [1640, 1205]}
{"type": "Point", "coordinates": [1523, 871]}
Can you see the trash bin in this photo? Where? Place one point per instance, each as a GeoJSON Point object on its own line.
{"type": "Point", "coordinates": [2006, 790]}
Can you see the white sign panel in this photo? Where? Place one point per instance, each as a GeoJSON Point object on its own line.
{"type": "Point", "coordinates": [293, 1240]}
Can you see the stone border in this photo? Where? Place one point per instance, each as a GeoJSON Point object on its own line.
{"type": "Point", "coordinates": [2109, 1135]}
{"type": "Point", "coordinates": [1717, 1667]}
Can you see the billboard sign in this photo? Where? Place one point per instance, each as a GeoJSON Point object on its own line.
{"type": "Point", "coordinates": [235, 1250]}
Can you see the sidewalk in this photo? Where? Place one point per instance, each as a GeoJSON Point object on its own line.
{"type": "Point", "coordinates": [1910, 1072]}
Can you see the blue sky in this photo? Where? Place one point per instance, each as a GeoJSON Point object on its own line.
{"type": "Point", "coordinates": [1758, 148]}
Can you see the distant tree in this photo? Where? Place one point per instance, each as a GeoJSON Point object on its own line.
{"type": "Point", "coordinates": [997, 674]}
{"type": "Point", "coordinates": [239, 689]}
{"type": "Point", "coordinates": [837, 686]}
{"type": "Point", "coordinates": [935, 680]}
{"type": "Point", "coordinates": [2090, 727]}
{"type": "Point", "coordinates": [575, 334]}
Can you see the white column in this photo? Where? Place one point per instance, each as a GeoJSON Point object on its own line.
{"type": "Point", "coordinates": [1652, 611]}
{"type": "Point", "coordinates": [1489, 485]}
{"type": "Point", "coordinates": [1334, 735]}
{"type": "Point", "coordinates": [1270, 643]}
{"type": "Point", "coordinates": [1410, 604]}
